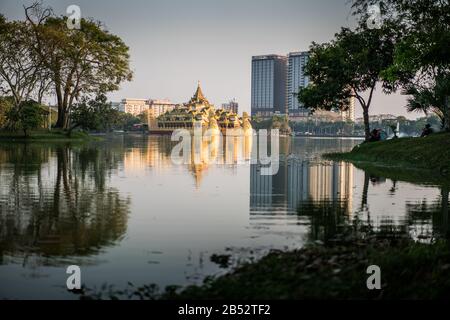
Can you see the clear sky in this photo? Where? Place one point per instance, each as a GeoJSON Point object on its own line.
{"type": "Point", "coordinates": [175, 43]}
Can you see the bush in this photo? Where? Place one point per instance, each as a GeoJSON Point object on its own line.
{"type": "Point", "coordinates": [29, 116]}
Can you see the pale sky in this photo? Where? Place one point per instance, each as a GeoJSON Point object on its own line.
{"type": "Point", "coordinates": [175, 43]}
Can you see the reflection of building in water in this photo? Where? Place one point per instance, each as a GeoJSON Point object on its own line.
{"type": "Point", "coordinates": [220, 150]}
{"type": "Point", "coordinates": [138, 158]}
{"type": "Point", "coordinates": [197, 156]}
{"type": "Point", "coordinates": [300, 180]}
{"type": "Point", "coordinates": [331, 181]}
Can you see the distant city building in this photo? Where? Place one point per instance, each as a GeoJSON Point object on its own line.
{"type": "Point", "coordinates": [134, 106]}
{"type": "Point", "coordinates": [296, 79]}
{"type": "Point", "coordinates": [276, 81]}
{"type": "Point", "coordinates": [115, 105]}
{"type": "Point", "coordinates": [160, 107]}
{"type": "Point", "coordinates": [268, 95]}
{"type": "Point", "coordinates": [349, 114]}
{"type": "Point", "coordinates": [139, 106]}
{"type": "Point", "coordinates": [378, 118]}
{"type": "Point", "coordinates": [232, 106]}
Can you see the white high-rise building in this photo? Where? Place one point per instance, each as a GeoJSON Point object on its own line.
{"type": "Point", "coordinates": [349, 114]}
{"type": "Point", "coordinates": [160, 106]}
{"type": "Point", "coordinates": [296, 79]}
{"type": "Point", "coordinates": [134, 106]}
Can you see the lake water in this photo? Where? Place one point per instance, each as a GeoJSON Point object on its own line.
{"type": "Point", "coordinates": [124, 212]}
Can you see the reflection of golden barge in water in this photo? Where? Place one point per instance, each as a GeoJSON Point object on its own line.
{"type": "Point", "coordinates": [198, 113]}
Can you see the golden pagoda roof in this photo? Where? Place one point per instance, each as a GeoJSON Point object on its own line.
{"type": "Point", "coordinates": [199, 97]}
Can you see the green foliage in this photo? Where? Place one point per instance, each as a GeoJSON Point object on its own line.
{"type": "Point", "coordinates": [348, 66]}
{"type": "Point", "coordinates": [28, 117]}
{"type": "Point", "coordinates": [421, 59]}
{"type": "Point", "coordinates": [95, 114]}
{"type": "Point", "coordinates": [429, 99]}
{"type": "Point", "coordinates": [85, 62]}
{"type": "Point", "coordinates": [21, 74]}
{"type": "Point", "coordinates": [41, 55]}
{"type": "Point", "coordinates": [6, 104]}
{"type": "Point", "coordinates": [126, 121]}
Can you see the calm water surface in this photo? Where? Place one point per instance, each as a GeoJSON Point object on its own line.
{"type": "Point", "coordinates": [123, 212]}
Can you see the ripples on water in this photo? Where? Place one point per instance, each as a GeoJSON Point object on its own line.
{"type": "Point", "coordinates": [124, 212]}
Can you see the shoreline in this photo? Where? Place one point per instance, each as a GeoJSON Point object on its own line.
{"type": "Point", "coordinates": [335, 270]}
{"type": "Point", "coordinates": [46, 136]}
{"type": "Point", "coordinates": [430, 154]}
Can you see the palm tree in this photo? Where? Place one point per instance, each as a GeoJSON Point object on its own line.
{"type": "Point", "coordinates": [426, 100]}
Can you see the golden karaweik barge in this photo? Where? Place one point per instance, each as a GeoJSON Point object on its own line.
{"type": "Point", "coordinates": [198, 112]}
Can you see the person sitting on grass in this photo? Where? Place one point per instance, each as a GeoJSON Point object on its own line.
{"type": "Point", "coordinates": [427, 130]}
{"type": "Point", "coordinates": [375, 135]}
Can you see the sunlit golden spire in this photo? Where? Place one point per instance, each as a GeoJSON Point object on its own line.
{"type": "Point", "coordinates": [198, 95]}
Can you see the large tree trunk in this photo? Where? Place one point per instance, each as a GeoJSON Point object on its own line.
{"type": "Point", "coordinates": [61, 112]}
{"type": "Point", "coordinates": [366, 123]}
{"type": "Point", "coordinates": [61, 98]}
{"type": "Point", "coordinates": [63, 118]}
{"type": "Point", "coordinates": [60, 121]}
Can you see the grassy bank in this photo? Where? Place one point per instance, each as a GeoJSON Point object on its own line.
{"type": "Point", "coordinates": [431, 153]}
{"type": "Point", "coordinates": [409, 270]}
{"type": "Point", "coordinates": [54, 135]}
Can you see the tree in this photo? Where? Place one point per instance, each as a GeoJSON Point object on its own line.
{"type": "Point", "coordinates": [421, 58]}
{"type": "Point", "coordinates": [143, 117]}
{"type": "Point", "coordinates": [20, 68]}
{"type": "Point", "coordinates": [89, 61]}
{"type": "Point", "coordinates": [127, 120]}
{"type": "Point", "coordinates": [87, 114]}
{"type": "Point", "coordinates": [428, 100]}
{"type": "Point", "coordinates": [348, 67]}
{"type": "Point", "coordinates": [111, 118]}
{"type": "Point", "coordinates": [29, 116]}
{"type": "Point", "coordinates": [94, 114]}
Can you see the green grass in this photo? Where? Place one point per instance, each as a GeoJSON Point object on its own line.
{"type": "Point", "coordinates": [431, 153]}
{"type": "Point", "coordinates": [44, 135]}
{"type": "Point", "coordinates": [408, 271]}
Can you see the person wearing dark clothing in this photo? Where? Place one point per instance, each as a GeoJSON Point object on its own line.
{"type": "Point", "coordinates": [427, 130]}
{"type": "Point", "coordinates": [375, 135]}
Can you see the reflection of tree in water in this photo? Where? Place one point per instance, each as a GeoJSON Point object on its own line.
{"type": "Point", "coordinates": [424, 220]}
{"type": "Point", "coordinates": [429, 219]}
{"type": "Point", "coordinates": [55, 200]}
{"type": "Point", "coordinates": [328, 218]}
